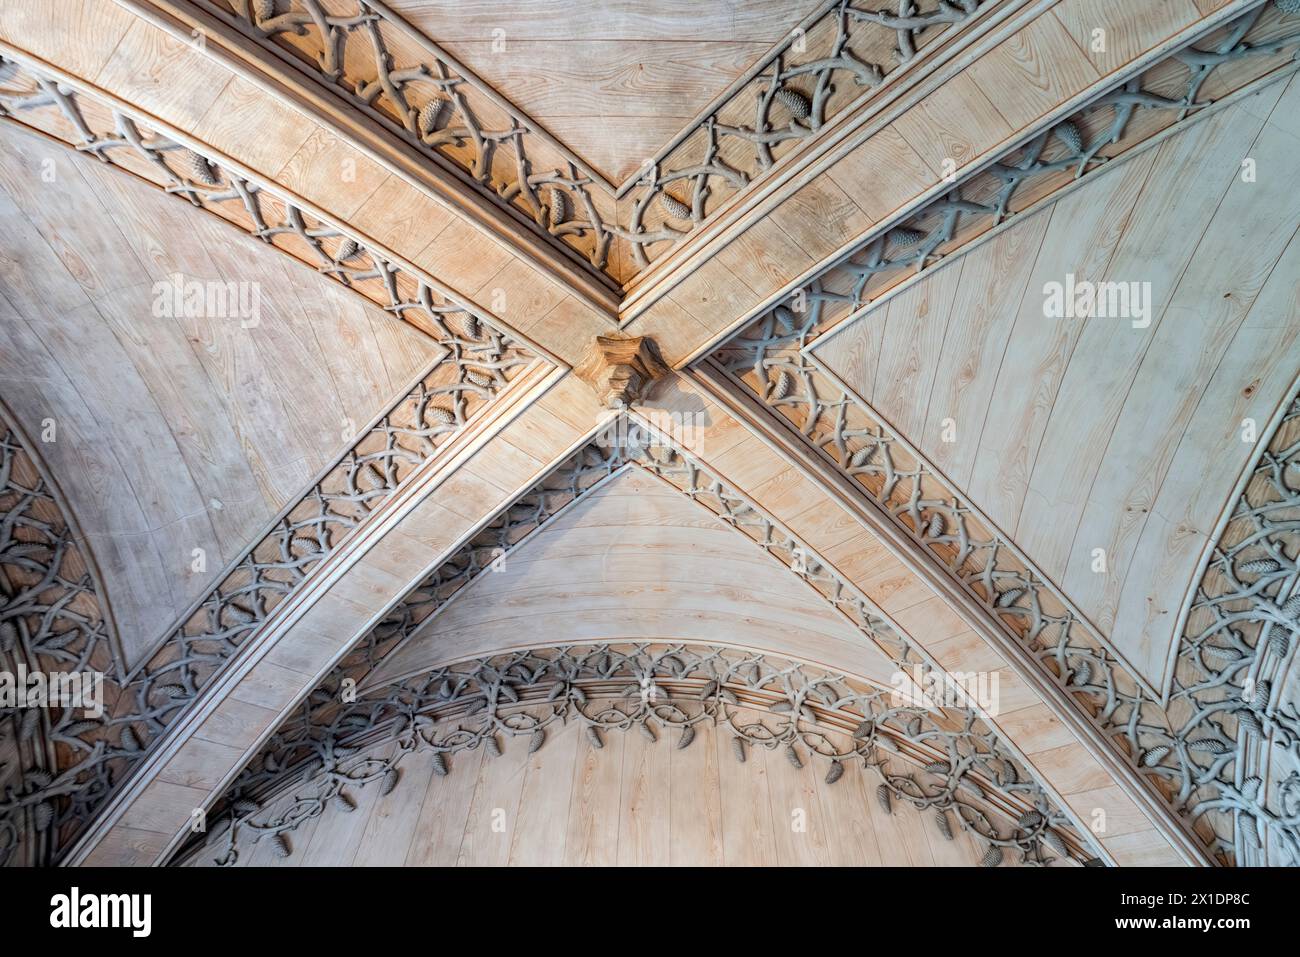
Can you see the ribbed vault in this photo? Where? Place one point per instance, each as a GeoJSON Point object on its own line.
{"type": "Point", "coordinates": [848, 438]}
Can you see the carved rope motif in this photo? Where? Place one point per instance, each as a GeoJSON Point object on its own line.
{"type": "Point", "coordinates": [639, 447]}
{"type": "Point", "coordinates": [477, 364]}
{"type": "Point", "coordinates": [951, 770]}
{"type": "Point", "coordinates": [1108, 127]}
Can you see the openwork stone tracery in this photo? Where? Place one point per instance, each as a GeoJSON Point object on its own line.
{"type": "Point", "coordinates": [939, 763]}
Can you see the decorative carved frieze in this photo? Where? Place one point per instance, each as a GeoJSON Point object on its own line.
{"type": "Point", "coordinates": [478, 362]}
{"type": "Point", "coordinates": [90, 125]}
{"type": "Point", "coordinates": [1187, 751]}
{"type": "Point", "coordinates": [52, 620]}
{"type": "Point", "coordinates": [383, 65]}
{"type": "Point", "coordinates": [1110, 126]}
{"type": "Point", "coordinates": [621, 370]}
{"type": "Point", "coordinates": [624, 445]}
{"type": "Point", "coordinates": [1236, 695]}
{"type": "Point", "coordinates": [942, 764]}
{"type": "Point", "coordinates": [819, 74]}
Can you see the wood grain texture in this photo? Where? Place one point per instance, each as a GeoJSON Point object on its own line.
{"type": "Point", "coordinates": [636, 558]}
{"type": "Point", "coordinates": [613, 80]}
{"type": "Point", "coordinates": [174, 433]}
{"type": "Point", "coordinates": [1084, 433]}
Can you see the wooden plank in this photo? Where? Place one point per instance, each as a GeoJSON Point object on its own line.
{"type": "Point", "coordinates": [444, 810]}
{"type": "Point", "coordinates": [1033, 71]}
{"type": "Point", "coordinates": [1167, 223]}
{"type": "Point", "coordinates": [591, 838]}
{"type": "Point", "coordinates": [1085, 227]}
{"type": "Point", "coordinates": [695, 802]}
{"type": "Point", "coordinates": [163, 75]}
{"type": "Point", "coordinates": [952, 126]}
{"type": "Point", "coordinates": [747, 829]}
{"type": "Point", "coordinates": [880, 176]}
{"type": "Point", "coordinates": [644, 836]}
{"type": "Point", "coordinates": [539, 836]}
{"type": "Point", "coordinates": [494, 810]}
{"type": "Point", "coordinates": [916, 324]}
{"type": "Point", "coordinates": [1111, 33]}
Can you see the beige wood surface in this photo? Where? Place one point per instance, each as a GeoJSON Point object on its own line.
{"type": "Point", "coordinates": [637, 559]}
{"type": "Point", "coordinates": [174, 433]}
{"type": "Point", "coordinates": [613, 80]}
{"type": "Point", "coordinates": [1074, 434]}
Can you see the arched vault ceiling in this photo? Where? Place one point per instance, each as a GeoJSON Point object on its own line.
{"type": "Point", "coordinates": [637, 559]}
{"type": "Point", "coordinates": [930, 480]}
{"type": "Point", "coordinates": [1121, 433]}
{"type": "Point", "coordinates": [174, 428]}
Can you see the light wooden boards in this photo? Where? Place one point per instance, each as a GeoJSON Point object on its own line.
{"type": "Point", "coordinates": [613, 80]}
{"type": "Point", "coordinates": [636, 559]}
{"type": "Point", "coordinates": [175, 433]}
{"type": "Point", "coordinates": [1123, 434]}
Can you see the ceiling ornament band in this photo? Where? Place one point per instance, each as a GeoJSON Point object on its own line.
{"type": "Point", "coordinates": [1110, 127]}
{"type": "Point", "coordinates": [53, 620]}
{"type": "Point", "coordinates": [1236, 697]}
{"type": "Point", "coordinates": [69, 114]}
{"type": "Point", "coordinates": [941, 764]}
{"type": "Point", "coordinates": [821, 71]}
{"type": "Point", "coordinates": [625, 444]}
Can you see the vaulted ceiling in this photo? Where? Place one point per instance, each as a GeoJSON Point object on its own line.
{"type": "Point", "coordinates": [596, 415]}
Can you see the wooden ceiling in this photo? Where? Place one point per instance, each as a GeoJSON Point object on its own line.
{"type": "Point", "coordinates": [870, 447]}
{"type": "Point", "coordinates": [614, 80]}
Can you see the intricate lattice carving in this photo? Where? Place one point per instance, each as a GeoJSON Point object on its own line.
{"type": "Point", "coordinates": [380, 64]}
{"type": "Point", "coordinates": [1168, 93]}
{"type": "Point", "coordinates": [51, 620]}
{"type": "Point", "coordinates": [477, 363]}
{"type": "Point", "coordinates": [1234, 676]}
{"type": "Point", "coordinates": [1186, 750]}
{"type": "Point", "coordinates": [625, 445]}
{"type": "Point", "coordinates": [945, 764]}
{"type": "Point", "coordinates": [383, 65]}
{"type": "Point", "coordinates": [814, 77]}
